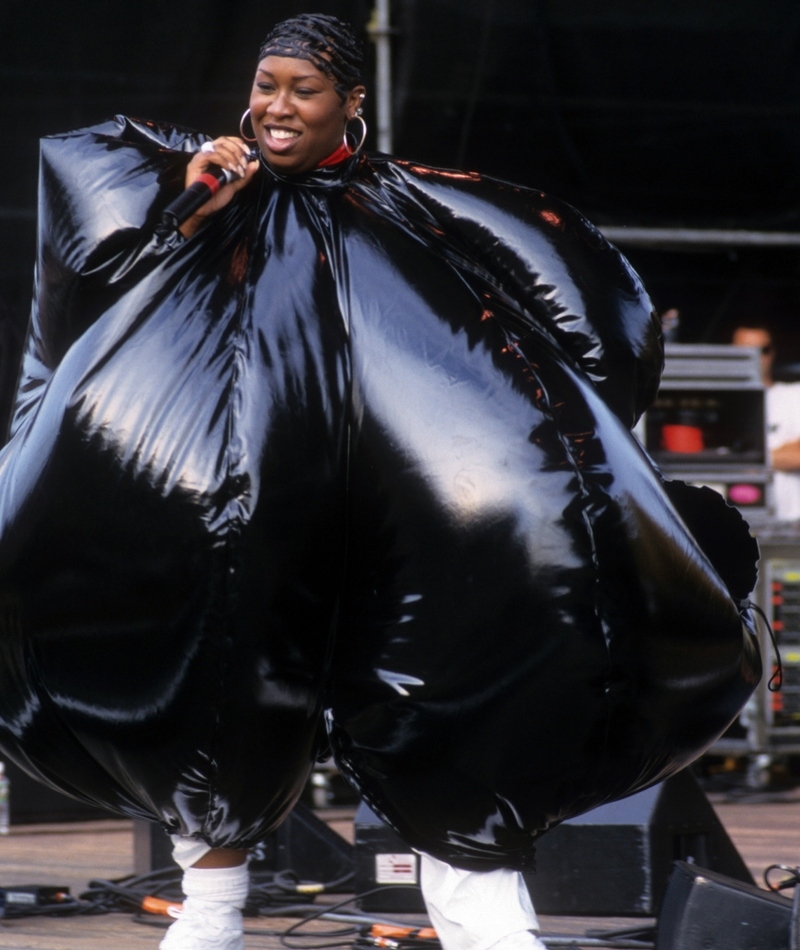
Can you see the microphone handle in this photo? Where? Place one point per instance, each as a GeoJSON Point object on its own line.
{"type": "Point", "coordinates": [194, 197]}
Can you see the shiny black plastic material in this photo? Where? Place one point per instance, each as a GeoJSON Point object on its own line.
{"type": "Point", "coordinates": [358, 448]}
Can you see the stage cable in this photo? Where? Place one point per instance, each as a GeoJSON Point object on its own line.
{"type": "Point", "coordinates": [776, 680]}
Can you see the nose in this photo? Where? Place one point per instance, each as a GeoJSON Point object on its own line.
{"type": "Point", "coordinates": [281, 104]}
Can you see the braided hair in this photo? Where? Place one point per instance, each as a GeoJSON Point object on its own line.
{"type": "Point", "coordinates": [327, 42]}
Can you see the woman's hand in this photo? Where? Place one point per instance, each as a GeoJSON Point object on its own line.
{"type": "Point", "coordinates": [229, 152]}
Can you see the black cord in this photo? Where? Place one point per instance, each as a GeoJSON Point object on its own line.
{"type": "Point", "coordinates": [332, 908]}
{"type": "Point", "coordinates": [645, 932]}
{"type": "Point", "coordinates": [282, 894]}
{"type": "Point", "coordinates": [776, 680]}
{"type": "Point", "coordinates": [127, 893]}
{"type": "Point", "coordinates": [791, 881]}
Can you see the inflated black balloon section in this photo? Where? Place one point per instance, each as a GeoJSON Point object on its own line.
{"type": "Point", "coordinates": [355, 456]}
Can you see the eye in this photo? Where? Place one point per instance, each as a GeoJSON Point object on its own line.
{"type": "Point", "coordinates": [265, 87]}
{"type": "Point", "coordinates": [306, 92]}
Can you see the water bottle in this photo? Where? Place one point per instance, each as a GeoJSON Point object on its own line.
{"type": "Point", "coordinates": [4, 797]}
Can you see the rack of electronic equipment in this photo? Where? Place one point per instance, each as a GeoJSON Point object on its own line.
{"type": "Point", "coordinates": [708, 427]}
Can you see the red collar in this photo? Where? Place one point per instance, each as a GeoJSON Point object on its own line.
{"type": "Point", "coordinates": [335, 158]}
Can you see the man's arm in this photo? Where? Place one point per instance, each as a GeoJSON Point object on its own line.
{"type": "Point", "coordinates": [786, 457]}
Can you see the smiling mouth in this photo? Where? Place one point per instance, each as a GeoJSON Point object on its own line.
{"type": "Point", "coordinates": [283, 136]}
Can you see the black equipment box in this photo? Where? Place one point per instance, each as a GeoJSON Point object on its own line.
{"type": "Point", "coordinates": [707, 426]}
{"type": "Point", "coordinates": [703, 910]}
{"type": "Point", "coordinates": [613, 861]}
{"type": "Point", "coordinates": [303, 844]}
{"type": "Point", "coordinates": [387, 870]}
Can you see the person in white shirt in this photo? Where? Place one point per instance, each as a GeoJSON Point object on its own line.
{"type": "Point", "coordinates": [783, 423]}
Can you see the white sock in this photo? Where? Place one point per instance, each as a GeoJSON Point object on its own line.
{"type": "Point", "coordinates": [218, 885]}
{"type": "Point", "coordinates": [212, 910]}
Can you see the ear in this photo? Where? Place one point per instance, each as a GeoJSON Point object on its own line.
{"type": "Point", "coordinates": [354, 101]}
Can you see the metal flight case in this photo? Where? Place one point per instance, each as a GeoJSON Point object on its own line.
{"type": "Point", "coordinates": [708, 427]}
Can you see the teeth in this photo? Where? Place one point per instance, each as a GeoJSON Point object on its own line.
{"type": "Point", "coordinates": [283, 134]}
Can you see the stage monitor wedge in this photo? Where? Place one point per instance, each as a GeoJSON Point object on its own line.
{"type": "Point", "coordinates": [703, 910]}
{"type": "Point", "coordinates": [304, 843]}
{"type": "Point", "coordinates": [615, 860]}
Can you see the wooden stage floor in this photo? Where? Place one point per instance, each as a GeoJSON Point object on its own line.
{"type": "Point", "coordinates": [765, 828]}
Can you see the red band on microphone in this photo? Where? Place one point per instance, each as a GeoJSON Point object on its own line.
{"type": "Point", "coordinates": [213, 184]}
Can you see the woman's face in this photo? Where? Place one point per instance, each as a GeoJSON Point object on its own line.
{"type": "Point", "coordinates": [298, 117]}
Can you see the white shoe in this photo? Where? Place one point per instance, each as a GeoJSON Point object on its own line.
{"type": "Point", "coordinates": [197, 929]}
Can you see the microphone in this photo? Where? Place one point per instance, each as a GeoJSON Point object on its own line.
{"type": "Point", "coordinates": [196, 195]}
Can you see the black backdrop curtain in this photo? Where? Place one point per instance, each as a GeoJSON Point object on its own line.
{"type": "Point", "coordinates": [638, 111]}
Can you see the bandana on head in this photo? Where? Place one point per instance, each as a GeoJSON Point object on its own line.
{"type": "Point", "coordinates": [325, 41]}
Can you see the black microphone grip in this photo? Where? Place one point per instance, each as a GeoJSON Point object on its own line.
{"type": "Point", "coordinates": [196, 195]}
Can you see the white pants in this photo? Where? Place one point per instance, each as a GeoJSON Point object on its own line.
{"type": "Point", "coordinates": [478, 910]}
{"type": "Point", "coordinates": [470, 910]}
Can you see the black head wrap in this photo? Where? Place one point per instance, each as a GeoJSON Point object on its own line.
{"type": "Point", "coordinates": [327, 42]}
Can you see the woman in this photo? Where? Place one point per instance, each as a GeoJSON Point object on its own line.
{"type": "Point", "coordinates": [354, 439]}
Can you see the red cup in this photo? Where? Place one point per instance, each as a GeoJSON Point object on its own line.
{"type": "Point", "coordinates": [680, 438]}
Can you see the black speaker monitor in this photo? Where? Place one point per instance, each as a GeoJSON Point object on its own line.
{"type": "Point", "coordinates": [703, 910]}
{"type": "Point", "coordinates": [612, 861]}
{"type": "Point", "coordinates": [615, 860]}
{"type": "Point", "coordinates": [304, 844]}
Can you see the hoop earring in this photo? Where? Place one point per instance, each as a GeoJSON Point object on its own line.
{"type": "Point", "coordinates": [360, 145]}
{"type": "Point", "coordinates": [241, 127]}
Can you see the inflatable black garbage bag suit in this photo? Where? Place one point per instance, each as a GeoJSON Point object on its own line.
{"type": "Point", "coordinates": [356, 456]}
